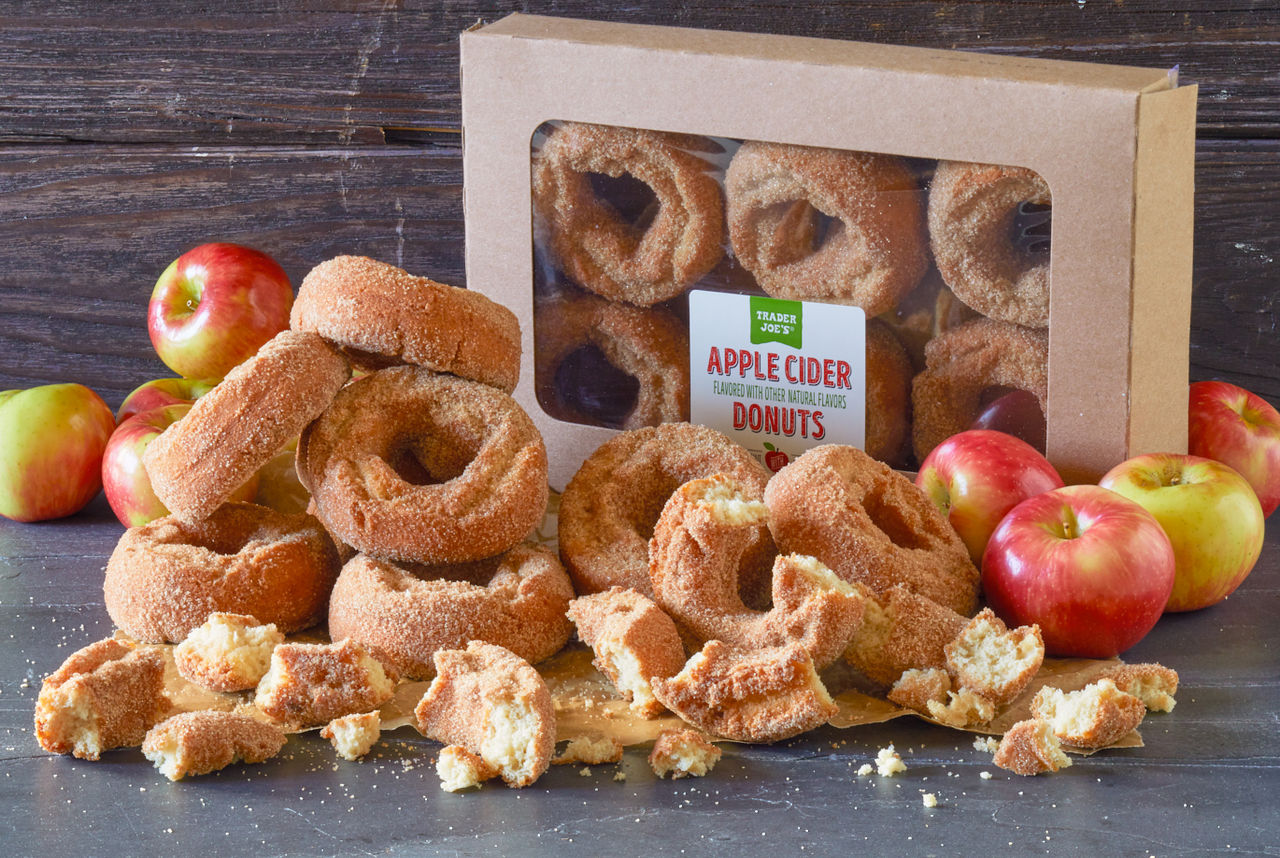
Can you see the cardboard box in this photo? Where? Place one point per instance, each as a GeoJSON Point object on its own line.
{"type": "Point", "coordinates": [1115, 145]}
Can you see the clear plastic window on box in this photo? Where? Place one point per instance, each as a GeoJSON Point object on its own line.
{"type": "Point", "coordinates": [948, 262]}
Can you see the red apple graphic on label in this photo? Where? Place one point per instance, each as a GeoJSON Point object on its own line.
{"type": "Point", "coordinates": [774, 459]}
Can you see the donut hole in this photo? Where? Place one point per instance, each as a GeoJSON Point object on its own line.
{"type": "Point", "coordinates": [634, 201]}
{"type": "Point", "coordinates": [1031, 226]}
{"type": "Point", "coordinates": [799, 230]}
{"type": "Point", "coordinates": [431, 461]}
{"type": "Point", "coordinates": [221, 540]}
{"type": "Point", "coordinates": [888, 516]}
{"type": "Point", "coordinates": [586, 383]}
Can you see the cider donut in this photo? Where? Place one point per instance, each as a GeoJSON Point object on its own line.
{"type": "Point", "coordinates": [236, 428]}
{"type": "Point", "coordinates": [872, 254]}
{"type": "Point", "coordinates": [404, 615]}
{"type": "Point", "coordinates": [648, 345]}
{"type": "Point", "coordinates": [869, 524]}
{"type": "Point", "coordinates": [167, 577]}
{"type": "Point", "coordinates": [693, 566]}
{"type": "Point", "coordinates": [888, 389]}
{"type": "Point", "coordinates": [973, 211]}
{"type": "Point", "coordinates": [609, 508]}
{"type": "Point", "coordinates": [964, 363]}
{"type": "Point", "coordinates": [759, 695]}
{"type": "Point", "coordinates": [425, 468]}
{"type": "Point", "coordinates": [595, 246]}
{"type": "Point", "coordinates": [382, 316]}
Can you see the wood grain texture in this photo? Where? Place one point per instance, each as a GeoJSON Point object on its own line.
{"type": "Point", "coordinates": [359, 72]}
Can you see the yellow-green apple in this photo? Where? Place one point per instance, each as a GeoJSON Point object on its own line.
{"type": "Point", "coordinates": [977, 476]}
{"type": "Point", "coordinates": [1091, 567]}
{"type": "Point", "coordinates": [51, 443]}
{"type": "Point", "coordinates": [214, 307]}
{"type": "Point", "coordinates": [1241, 429]}
{"type": "Point", "coordinates": [1210, 513]}
{"type": "Point", "coordinates": [125, 480]}
{"type": "Point", "coordinates": [161, 392]}
{"type": "Point", "coordinates": [1018, 413]}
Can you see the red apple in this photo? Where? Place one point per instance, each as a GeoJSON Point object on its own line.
{"type": "Point", "coordinates": [1092, 568]}
{"type": "Point", "coordinates": [51, 443]}
{"type": "Point", "coordinates": [161, 392]}
{"type": "Point", "coordinates": [975, 477]}
{"type": "Point", "coordinates": [1019, 414]}
{"type": "Point", "coordinates": [215, 306]}
{"type": "Point", "coordinates": [1241, 429]}
{"type": "Point", "coordinates": [1210, 513]}
{"type": "Point", "coordinates": [125, 479]}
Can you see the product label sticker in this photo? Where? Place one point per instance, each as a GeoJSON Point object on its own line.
{"type": "Point", "coordinates": [777, 376]}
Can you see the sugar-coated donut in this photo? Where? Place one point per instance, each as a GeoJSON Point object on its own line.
{"type": "Point", "coordinates": [759, 695]}
{"type": "Point", "coordinates": [693, 566]}
{"type": "Point", "coordinates": [888, 388]}
{"type": "Point", "coordinates": [871, 524]}
{"type": "Point", "coordinates": [609, 508]}
{"type": "Point", "coordinates": [649, 345]}
{"type": "Point", "coordinates": [872, 254]}
{"type": "Point", "coordinates": [972, 212]}
{"type": "Point", "coordinates": [967, 361]}
{"type": "Point", "coordinates": [594, 245]}
{"type": "Point", "coordinates": [167, 577]}
{"type": "Point", "coordinates": [928, 310]}
{"type": "Point", "coordinates": [405, 614]}
{"type": "Point", "coordinates": [310, 684]}
{"type": "Point", "coordinates": [236, 428]}
{"type": "Point", "coordinates": [197, 743]}
{"type": "Point", "coordinates": [105, 695]}
{"type": "Point", "coordinates": [903, 631]}
{"type": "Point", "coordinates": [425, 468]}
{"type": "Point", "coordinates": [633, 641]}
{"type": "Point", "coordinates": [382, 315]}
{"type": "Point", "coordinates": [492, 703]}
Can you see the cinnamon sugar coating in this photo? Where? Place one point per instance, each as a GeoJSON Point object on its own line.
{"type": "Point", "coordinates": [1029, 748]}
{"type": "Point", "coordinates": [901, 631]}
{"type": "Point", "coordinates": [594, 245]}
{"type": "Point", "coordinates": [693, 565]}
{"type": "Point", "coordinates": [869, 524]}
{"type": "Point", "coordinates": [237, 427]}
{"type": "Point", "coordinates": [383, 315]}
{"type": "Point", "coordinates": [633, 641]}
{"type": "Point", "coordinates": [492, 703]}
{"type": "Point", "coordinates": [962, 364]}
{"type": "Point", "coordinates": [404, 614]}
{"type": "Point", "coordinates": [683, 753]}
{"type": "Point", "coordinates": [647, 343]}
{"type": "Point", "coordinates": [167, 576]}
{"type": "Point", "coordinates": [918, 687]}
{"type": "Point", "coordinates": [425, 468]}
{"type": "Point", "coordinates": [873, 255]}
{"type": "Point", "coordinates": [197, 743]}
{"type": "Point", "coordinates": [759, 695]}
{"type": "Point", "coordinates": [1152, 683]}
{"type": "Point", "coordinates": [972, 209]}
{"type": "Point", "coordinates": [1092, 717]}
{"type": "Point", "coordinates": [312, 684]}
{"type": "Point", "coordinates": [105, 695]}
{"type": "Point", "coordinates": [609, 508]}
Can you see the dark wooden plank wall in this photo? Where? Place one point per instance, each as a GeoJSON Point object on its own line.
{"type": "Point", "coordinates": [131, 131]}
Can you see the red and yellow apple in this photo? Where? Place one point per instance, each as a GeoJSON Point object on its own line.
{"type": "Point", "coordinates": [1091, 567]}
{"type": "Point", "coordinates": [214, 307]}
{"type": "Point", "coordinates": [1240, 429]}
{"type": "Point", "coordinates": [975, 477]}
{"type": "Point", "coordinates": [1210, 513]}
{"type": "Point", "coordinates": [125, 480]}
{"type": "Point", "coordinates": [51, 443]}
{"type": "Point", "coordinates": [161, 392]}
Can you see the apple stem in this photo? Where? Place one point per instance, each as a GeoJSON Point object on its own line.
{"type": "Point", "coordinates": [1070, 524]}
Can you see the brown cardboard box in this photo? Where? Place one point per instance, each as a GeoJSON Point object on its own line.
{"type": "Point", "coordinates": [1115, 144]}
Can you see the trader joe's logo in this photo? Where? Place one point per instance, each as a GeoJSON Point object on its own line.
{"type": "Point", "coordinates": [774, 320]}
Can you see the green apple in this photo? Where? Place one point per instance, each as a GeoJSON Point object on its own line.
{"type": "Point", "coordinates": [1210, 514]}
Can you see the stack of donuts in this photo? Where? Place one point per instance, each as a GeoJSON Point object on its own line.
{"type": "Point", "coordinates": [425, 478]}
{"type": "Point", "coordinates": [954, 281]}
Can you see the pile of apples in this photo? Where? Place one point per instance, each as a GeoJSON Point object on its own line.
{"type": "Point", "coordinates": [1097, 565]}
{"type": "Point", "coordinates": [211, 309]}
